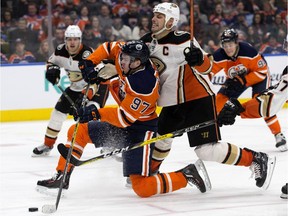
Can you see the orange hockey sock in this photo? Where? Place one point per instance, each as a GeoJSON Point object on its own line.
{"type": "Point", "coordinates": [273, 124]}
{"type": "Point", "coordinates": [158, 184]}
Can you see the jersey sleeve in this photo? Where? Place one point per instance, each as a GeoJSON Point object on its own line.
{"type": "Point", "coordinates": [107, 50]}
{"type": "Point", "coordinates": [258, 71]}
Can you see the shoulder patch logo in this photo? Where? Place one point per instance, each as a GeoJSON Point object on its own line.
{"type": "Point", "coordinates": [60, 46]}
{"type": "Point", "coordinates": [86, 54]}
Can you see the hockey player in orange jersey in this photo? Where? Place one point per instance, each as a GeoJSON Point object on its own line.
{"type": "Point", "coordinates": [244, 67]}
{"type": "Point", "coordinates": [267, 103]}
{"type": "Point", "coordinates": [135, 87]}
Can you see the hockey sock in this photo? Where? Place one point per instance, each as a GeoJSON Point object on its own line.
{"type": "Point", "coordinates": [273, 123]}
{"type": "Point", "coordinates": [158, 184]}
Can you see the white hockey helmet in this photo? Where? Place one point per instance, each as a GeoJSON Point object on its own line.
{"type": "Point", "coordinates": [73, 31]}
{"type": "Point", "coordinates": [170, 10]}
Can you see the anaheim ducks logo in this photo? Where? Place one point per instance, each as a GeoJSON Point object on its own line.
{"type": "Point", "coordinates": [161, 66]}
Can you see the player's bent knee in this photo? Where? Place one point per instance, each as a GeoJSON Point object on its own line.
{"type": "Point", "coordinates": [141, 185]}
{"type": "Point", "coordinates": [212, 151]}
{"type": "Point", "coordinates": [164, 144]}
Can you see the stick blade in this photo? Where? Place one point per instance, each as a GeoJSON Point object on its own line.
{"type": "Point", "coordinates": [48, 209]}
{"type": "Point", "coordinates": [63, 150]}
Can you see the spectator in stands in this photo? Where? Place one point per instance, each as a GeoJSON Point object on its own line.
{"type": "Point", "coordinates": [65, 22]}
{"type": "Point", "coordinates": [131, 18]}
{"type": "Point", "coordinates": [120, 30]}
{"type": "Point", "coordinates": [108, 34]}
{"type": "Point", "coordinates": [83, 17]}
{"type": "Point", "coordinates": [268, 12]}
{"type": "Point", "coordinates": [254, 39]}
{"type": "Point", "coordinates": [43, 54]}
{"type": "Point", "coordinates": [89, 38]}
{"type": "Point", "coordinates": [278, 26]}
{"type": "Point", "coordinates": [143, 27]}
{"type": "Point", "coordinates": [70, 6]}
{"type": "Point", "coordinates": [7, 22]}
{"type": "Point", "coordinates": [58, 37]}
{"type": "Point", "coordinates": [272, 46]}
{"type": "Point", "coordinates": [207, 7]}
{"type": "Point", "coordinates": [217, 17]}
{"type": "Point", "coordinates": [96, 26]}
{"type": "Point", "coordinates": [259, 25]}
{"type": "Point", "coordinates": [21, 55]}
{"type": "Point", "coordinates": [240, 24]}
{"type": "Point", "coordinates": [145, 8]}
{"type": "Point", "coordinates": [105, 17]}
{"type": "Point", "coordinates": [34, 20]}
{"type": "Point", "coordinates": [120, 8]}
{"type": "Point", "coordinates": [28, 36]}
{"type": "Point", "coordinates": [4, 59]}
{"type": "Point", "coordinates": [93, 6]}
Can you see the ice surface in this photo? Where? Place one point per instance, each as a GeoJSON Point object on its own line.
{"type": "Point", "coordinates": [99, 188]}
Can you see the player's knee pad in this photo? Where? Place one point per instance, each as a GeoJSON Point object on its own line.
{"type": "Point", "coordinates": [56, 120]}
{"type": "Point", "coordinates": [162, 149]}
{"type": "Point", "coordinates": [212, 151]}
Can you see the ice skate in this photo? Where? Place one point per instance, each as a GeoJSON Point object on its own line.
{"type": "Point", "coordinates": [42, 150]}
{"type": "Point", "coordinates": [284, 191]}
{"type": "Point", "coordinates": [193, 172]}
{"type": "Point", "coordinates": [51, 186]}
{"type": "Point", "coordinates": [262, 167]}
{"type": "Point", "coordinates": [281, 143]}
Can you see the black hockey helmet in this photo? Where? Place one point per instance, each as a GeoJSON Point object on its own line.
{"type": "Point", "coordinates": [229, 35]}
{"type": "Point", "coordinates": [137, 49]}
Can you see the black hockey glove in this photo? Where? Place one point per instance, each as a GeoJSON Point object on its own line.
{"type": "Point", "coordinates": [235, 85]}
{"type": "Point", "coordinates": [53, 74]}
{"type": "Point", "coordinates": [87, 113]}
{"type": "Point", "coordinates": [193, 56]}
{"type": "Point", "coordinates": [89, 74]}
{"type": "Point", "coordinates": [231, 109]}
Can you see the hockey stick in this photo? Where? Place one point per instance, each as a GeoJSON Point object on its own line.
{"type": "Point", "coordinates": [67, 96]}
{"type": "Point", "coordinates": [64, 150]}
{"type": "Point", "coordinates": [53, 208]}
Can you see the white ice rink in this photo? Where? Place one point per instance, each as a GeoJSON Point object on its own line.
{"type": "Point", "coordinates": [98, 188]}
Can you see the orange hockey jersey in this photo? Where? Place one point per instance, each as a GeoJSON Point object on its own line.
{"type": "Point", "coordinates": [135, 94]}
{"type": "Point", "coordinates": [248, 61]}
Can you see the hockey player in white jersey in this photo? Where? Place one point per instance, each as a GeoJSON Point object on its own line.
{"type": "Point", "coordinates": [67, 56]}
{"type": "Point", "coordinates": [187, 99]}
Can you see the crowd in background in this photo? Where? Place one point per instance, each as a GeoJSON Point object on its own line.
{"type": "Point", "coordinates": [24, 23]}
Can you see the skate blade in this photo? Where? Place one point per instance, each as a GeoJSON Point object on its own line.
{"type": "Point", "coordinates": [41, 155]}
{"type": "Point", "coordinates": [282, 148]}
{"type": "Point", "coordinates": [284, 196]}
{"type": "Point", "coordinates": [53, 192]}
{"type": "Point", "coordinates": [203, 173]}
{"type": "Point", "coordinates": [270, 169]}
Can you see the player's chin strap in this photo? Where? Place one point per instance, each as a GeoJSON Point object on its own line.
{"type": "Point", "coordinates": [64, 150]}
{"type": "Point", "coordinates": [53, 208]}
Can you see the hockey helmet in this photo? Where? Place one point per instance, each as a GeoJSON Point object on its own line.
{"type": "Point", "coordinates": [136, 49]}
{"type": "Point", "coordinates": [229, 35]}
{"type": "Point", "coordinates": [73, 31]}
{"type": "Point", "coordinates": [170, 10]}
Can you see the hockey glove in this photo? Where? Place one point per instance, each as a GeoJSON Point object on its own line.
{"type": "Point", "coordinates": [193, 56]}
{"type": "Point", "coordinates": [231, 109]}
{"type": "Point", "coordinates": [234, 87]}
{"type": "Point", "coordinates": [87, 113]}
{"type": "Point", "coordinates": [53, 74]}
{"type": "Point", "coordinates": [88, 72]}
